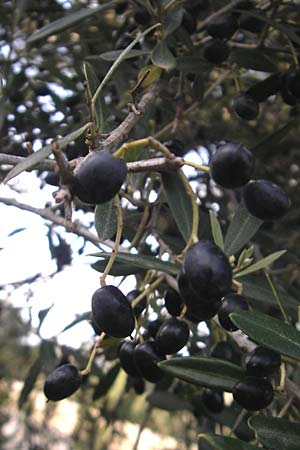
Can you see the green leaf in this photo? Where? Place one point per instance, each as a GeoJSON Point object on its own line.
{"type": "Point", "coordinates": [142, 262]}
{"type": "Point", "coordinates": [92, 84]}
{"type": "Point", "coordinates": [39, 156]}
{"type": "Point", "coordinates": [105, 220]}
{"type": "Point", "coordinates": [275, 433]}
{"type": "Point", "coordinates": [172, 21]}
{"type": "Point", "coordinates": [114, 54]}
{"type": "Point", "coordinates": [216, 230]}
{"type": "Point", "coordinates": [30, 381]}
{"type": "Point", "coordinates": [192, 64]}
{"type": "Point", "coordinates": [84, 316]}
{"type": "Point", "coordinates": [262, 264]}
{"type": "Point", "coordinates": [254, 59]}
{"type": "Point", "coordinates": [272, 333]}
{"type": "Point", "coordinates": [168, 401]}
{"type": "Point", "coordinates": [69, 20]}
{"type": "Point", "coordinates": [258, 289]}
{"type": "Point", "coordinates": [267, 143]}
{"type": "Point", "coordinates": [225, 443]}
{"type": "Point", "coordinates": [118, 269]}
{"type": "Point", "coordinates": [162, 57]}
{"type": "Point", "coordinates": [204, 371]}
{"type": "Point", "coordinates": [179, 202]}
{"type": "Point", "coordinates": [242, 228]}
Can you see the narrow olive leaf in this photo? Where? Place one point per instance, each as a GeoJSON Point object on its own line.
{"type": "Point", "coordinates": [179, 202]}
{"type": "Point", "coordinates": [39, 156]}
{"type": "Point", "coordinates": [168, 401]}
{"type": "Point", "coordinates": [142, 262]}
{"type": "Point", "coordinates": [172, 21]}
{"type": "Point", "coordinates": [225, 443]}
{"type": "Point", "coordinates": [262, 264]}
{"type": "Point", "coordinates": [69, 20]}
{"type": "Point", "coordinates": [259, 290]}
{"type": "Point", "coordinates": [106, 382]}
{"type": "Point", "coordinates": [254, 59]}
{"type": "Point", "coordinates": [241, 229]}
{"type": "Point", "coordinates": [81, 318]}
{"type": "Point", "coordinates": [30, 381]}
{"type": "Point", "coordinates": [269, 86]}
{"type": "Point", "coordinates": [105, 220]}
{"type": "Point", "coordinates": [118, 269]}
{"type": "Point", "coordinates": [273, 138]}
{"type": "Point", "coordinates": [114, 54]}
{"type": "Point", "coordinates": [216, 230]}
{"type": "Point", "coordinates": [272, 333]}
{"type": "Point", "coordinates": [204, 371]}
{"type": "Point", "coordinates": [275, 433]}
{"type": "Point", "coordinates": [162, 57]}
{"type": "Point", "coordinates": [92, 84]}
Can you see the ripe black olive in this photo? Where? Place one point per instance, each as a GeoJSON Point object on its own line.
{"type": "Point", "coordinates": [232, 165]}
{"type": "Point", "coordinates": [146, 358]}
{"type": "Point", "coordinates": [173, 302]}
{"type": "Point", "coordinates": [262, 362]}
{"type": "Point", "coordinates": [223, 26]}
{"type": "Point", "coordinates": [231, 303]}
{"type": "Point", "coordinates": [213, 400]}
{"type": "Point", "coordinates": [99, 178]}
{"type": "Point", "coordinates": [172, 336]}
{"type": "Point", "coordinates": [225, 350]}
{"type": "Point", "coordinates": [125, 354]}
{"type": "Point", "coordinates": [246, 107]}
{"type": "Point", "coordinates": [62, 382]}
{"type": "Point", "coordinates": [112, 312]}
{"type": "Point", "coordinates": [216, 51]}
{"type": "Point", "coordinates": [265, 200]}
{"type": "Point", "coordinates": [139, 308]}
{"type": "Point", "coordinates": [253, 393]}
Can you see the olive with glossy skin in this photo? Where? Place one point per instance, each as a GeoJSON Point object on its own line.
{"type": "Point", "coordinates": [146, 358]}
{"type": "Point", "coordinates": [141, 16]}
{"type": "Point", "coordinates": [200, 312]}
{"type": "Point", "coordinates": [112, 312]}
{"type": "Point", "coordinates": [213, 400]}
{"type": "Point", "coordinates": [232, 165]}
{"type": "Point", "coordinates": [216, 51]}
{"type": "Point", "coordinates": [126, 356]}
{"type": "Point", "coordinates": [265, 200]}
{"type": "Point", "coordinates": [172, 336]}
{"type": "Point", "coordinates": [253, 393]}
{"type": "Point", "coordinates": [207, 270]}
{"type": "Point", "coordinates": [62, 382]}
{"type": "Point", "coordinates": [222, 27]}
{"type": "Point", "coordinates": [173, 302]}
{"type": "Point", "coordinates": [99, 178]}
{"type": "Point", "coordinates": [153, 327]}
{"type": "Point", "coordinates": [225, 350]}
{"type": "Point", "coordinates": [245, 107]}
{"type": "Point", "coordinates": [262, 362]}
{"type": "Point", "coordinates": [231, 303]}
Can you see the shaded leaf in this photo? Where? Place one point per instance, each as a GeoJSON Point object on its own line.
{"type": "Point", "coordinates": [275, 433]}
{"type": "Point", "coordinates": [192, 64]}
{"type": "Point", "coordinates": [39, 156]}
{"type": "Point", "coordinates": [168, 401]}
{"type": "Point", "coordinates": [254, 59]}
{"type": "Point", "coordinates": [142, 262]}
{"type": "Point", "coordinates": [241, 229]}
{"type": "Point", "coordinates": [274, 138]}
{"type": "Point", "coordinates": [262, 264]}
{"type": "Point", "coordinates": [113, 55]}
{"type": "Point", "coordinates": [204, 371]}
{"type": "Point", "coordinates": [179, 202]}
{"type": "Point", "coordinates": [258, 289]}
{"type": "Point", "coordinates": [172, 21]}
{"type": "Point", "coordinates": [29, 382]}
{"type": "Point", "coordinates": [216, 230]}
{"type": "Point", "coordinates": [162, 57]}
{"type": "Point", "coordinates": [118, 269]}
{"type": "Point", "coordinates": [69, 20]}
{"type": "Point", "coordinates": [106, 382]}
{"type": "Point", "coordinates": [92, 84]}
{"type": "Point", "coordinates": [268, 331]}
{"type": "Point", "coordinates": [84, 316]}
{"type": "Point", "coordinates": [225, 443]}
{"type": "Point", "coordinates": [105, 220]}
{"type": "Point", "coordinates": [262, 90]}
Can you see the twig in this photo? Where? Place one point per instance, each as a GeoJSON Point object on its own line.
{"type": "Point", "coordinates": [88, 368]}
{"type": "Point", "coordinates": [142, 426]}
{"type": "Point", "coordinates": [11, 160]}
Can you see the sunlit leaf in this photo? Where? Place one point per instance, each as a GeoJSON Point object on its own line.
{"type": "Point", "coordinates": [262, 264]}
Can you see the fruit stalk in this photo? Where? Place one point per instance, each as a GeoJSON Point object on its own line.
{"type": "Point", "coordinates": [88, 368]}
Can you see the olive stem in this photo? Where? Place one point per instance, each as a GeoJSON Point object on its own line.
{"type": "Point", "coordinates": [129, 146]}
{"type": "Point", "coordinates": [195, 223]}
{"type": "Point", "coordinates": [147, 291]}
{"type": "Point", "coordinates": [285, 407]}
{"type": "Point", "coordinates": [196, 166]}
{"type": "Point", "coordinates": [238, 421]}
{"type": "Point", "coordinates": [282, 378]}
{"type": "Point", "coordinates": [276, 297]}
{"type": "Point", "coordinates": [114, 252]}
{"type": "Point", "coordinates": [292, 50]}
{"type": "Point", "coordinates": [183, 312]}
{"type": "Point", "coordinates": [142, 426]}
{"type": "Point", "coordinates": [238, 285]}
{"type": "Point", "coordinates": [88, 368]}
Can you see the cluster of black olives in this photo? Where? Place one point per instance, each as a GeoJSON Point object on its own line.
{"type": "Point", "coordinates": [246, 104]}
{"type": "Point", "coordinates": [223, 27]}
{"type": "Point", "coordinates": [255, 391]}
{"type": "Point", "coordinates": [232, 166]}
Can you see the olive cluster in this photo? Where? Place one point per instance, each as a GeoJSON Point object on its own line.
{"type": "Point", "coordinates": [232, 166]}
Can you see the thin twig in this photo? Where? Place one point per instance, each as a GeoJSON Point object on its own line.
{"type": "Point", "coordinates": [142, 426]}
